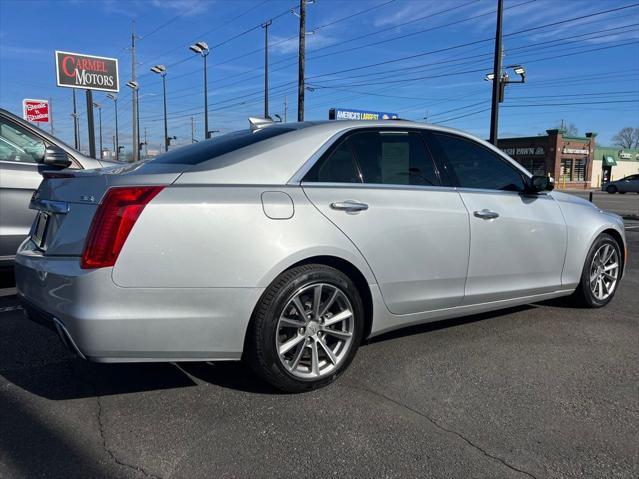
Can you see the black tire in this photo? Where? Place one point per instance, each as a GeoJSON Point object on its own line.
{"type": "Point", "coordinates": [612, 189]}
{"type": "Point", "coordinates": [583, 295]}
{"type": "Point", "coordinates": [260, 349]}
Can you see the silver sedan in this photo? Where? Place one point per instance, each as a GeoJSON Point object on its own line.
{"type": "Point", "coordinates": [289, 244]}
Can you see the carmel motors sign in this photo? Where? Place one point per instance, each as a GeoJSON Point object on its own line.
{"type": "Point", "coordinates": [76, 70]}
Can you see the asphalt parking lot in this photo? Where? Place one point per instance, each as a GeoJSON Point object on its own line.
{"type": "Point", "coordinates": [536, 391]}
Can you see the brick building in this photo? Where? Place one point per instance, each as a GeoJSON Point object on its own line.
{"type": "Point", "coordinates": [569, 159]}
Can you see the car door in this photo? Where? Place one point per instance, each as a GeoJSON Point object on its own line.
{"type": "Point", "coordinates": [518, 239]}
{"type": "Point", "coordinates": [630, 184]}
{"type": "Point", "coordinates": [20, 154]}
{"type": "Point", "coordinates": [381, 188]}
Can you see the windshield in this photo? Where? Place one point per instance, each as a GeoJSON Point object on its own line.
{"type": "Point", "coordinates": [209, 149]}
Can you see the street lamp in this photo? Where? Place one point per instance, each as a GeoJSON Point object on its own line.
{"type": "Point", "coordinates": [161, 70]}
{"type": "Point", "coordinates": [117, 137]}
{"type": "Point", "coordinates": [505, 79]}
{"type": "Point", "coordinates": [99, 107]}
{"type": "Point", "coordinates": [135, 86]}
{"type": "Point", "coordinates": [201, 48]}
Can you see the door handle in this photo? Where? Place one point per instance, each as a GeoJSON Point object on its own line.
{"type": "Point", "coordinates": [486, 214]}
{"type": "Point", "coordinates": [350, 206]}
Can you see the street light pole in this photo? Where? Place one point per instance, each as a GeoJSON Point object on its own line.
{"type": "Point", "coordinates": [99, 107]}
{"type": "Point", "coordinates": [494, 113]}
{"type": "Point", "coordinates": [75, 123]}
{"type": "Point", "coordinates": [135, 87]}
{"type": "Point", "coordinates": [117, 136]}
{"type": "Point", "coordinates": [201, 48]}
{"type": "Point", "coordinates": [161, 70]}
{"type": "Point", "coordinates": [300, 61]}
{"type": "Point", "coordinates": [265, 26]}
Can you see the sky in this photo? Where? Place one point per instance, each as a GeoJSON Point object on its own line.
{"type": "Point", "coordinates": [425, 60]}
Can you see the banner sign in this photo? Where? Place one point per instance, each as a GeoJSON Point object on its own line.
{"type": "Point", "coordinates": [35, 110]}
{"type": "Point", "coordinates": [76, 70]}
{"type": "Point", "coordinates": [344, 114]}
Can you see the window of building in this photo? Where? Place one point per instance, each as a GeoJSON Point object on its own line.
{"type": "Point", "coordinates": [475, 166]}
{"type": "Point", "coordinates": [338, 167]}
{"type": "Point", "coordinates": [566, 169]}
{"type": "Point", "coordinates": [580, 170]}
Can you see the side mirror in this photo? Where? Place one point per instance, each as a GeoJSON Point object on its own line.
{"type": "Point", "coordinates": [542, 183]}
{"type": "Point", "coordinates": [56, 156]}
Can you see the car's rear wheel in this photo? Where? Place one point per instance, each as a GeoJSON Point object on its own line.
{"type": "Point", "coordinates": [601, 273]}
{"type": "Point", "coordinates": [306, 328]}
{"type": "Point", "coordinates": [612, 189]}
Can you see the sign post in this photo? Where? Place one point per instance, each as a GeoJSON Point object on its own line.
{"type": "Point", "coordinates": [88, 72]}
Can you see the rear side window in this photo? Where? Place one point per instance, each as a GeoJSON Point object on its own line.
{"type": "Point", "coordinates": [475, 166]}
{"type": "Point", "coordinates": [338, 167]}
{"type": "Point", "coordinates": [377, 157]}
{"type": "Point", "coordinates": [394, 158]}
{"type": "Point", "coordinates": [207, 150]}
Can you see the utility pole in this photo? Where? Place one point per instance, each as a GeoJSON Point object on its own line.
{"type": "Point", "coordinates": [75, 123]}
{"type": "Point", "coordinates": [90, 125]}
{"type": "Point", "coordinates": [285, 108]}
{"type": "Point", "coordinates": [51, 114]}
{"type": "Point", "coordinates": [146, 145]}
{"type": "Point", "coordinates": [497, 83]}
{"type": "Point", "coordinates": [300, 61]}
{"type": "Point", "coordinates": [117, 136]}
{"type": "Point", "coordinates": [99, 107]}
{"type": "Point", "coordinates": [265, 26]}
{"type": "Point", "coordinates": [134, 103]}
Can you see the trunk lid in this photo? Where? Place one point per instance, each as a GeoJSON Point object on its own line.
{"type": "Point", "coordinates": [67, 201]}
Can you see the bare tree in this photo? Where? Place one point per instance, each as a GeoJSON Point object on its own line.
{"type": "Point", "coordinates": [627, 137]}
{"type": "Point", "coordinates": [568, 129]}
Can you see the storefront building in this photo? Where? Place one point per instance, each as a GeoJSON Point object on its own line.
{"type": "Point", "coordinates": [613, 163]}
{"type": "Point", "coordinates": [569, 159]}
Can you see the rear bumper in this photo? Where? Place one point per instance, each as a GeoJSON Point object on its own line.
{"type": "Point", "coordinates": [106, 323]}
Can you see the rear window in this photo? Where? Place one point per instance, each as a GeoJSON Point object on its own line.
{"type": "Point", "coordinates": [209, 149]}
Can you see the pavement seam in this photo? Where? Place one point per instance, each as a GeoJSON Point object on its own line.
{"type": "Point", "coordinates": [449, 431]}
{"type": "Point", "coordinates": [101, 430]}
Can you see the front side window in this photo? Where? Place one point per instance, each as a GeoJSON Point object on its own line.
{"type": "Point", "coordinates": [394, 158]}
{"type": "Point", "coordinates": [474, 166]}
{"type": "Point", "coordinates": [18, 144]}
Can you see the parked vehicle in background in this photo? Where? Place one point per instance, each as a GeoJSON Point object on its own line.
{"type": "Point", "coordinates": [629, 184]}
{"type": "Point", "coordinates": [289, 245]}
{"type": "Point", "coordinates": [25, 152]}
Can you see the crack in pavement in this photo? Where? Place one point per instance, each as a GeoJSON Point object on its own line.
{"type": "Point", "coordinates": [101, 430]}
{"type": "Point", "coordinates": [442, 428]}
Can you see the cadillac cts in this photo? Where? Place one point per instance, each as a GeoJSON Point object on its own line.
{"type": "Point", "coordinates": [288, 244]}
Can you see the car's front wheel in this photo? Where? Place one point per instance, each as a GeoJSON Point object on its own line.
{"type": "Point", "coordinates": [612, 189]}
{"type": "Point", "coordinates": [306, 328]}
{"type": "Point", "coordinates": [601, 273]}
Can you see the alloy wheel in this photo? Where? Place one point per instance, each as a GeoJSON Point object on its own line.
{"type": "Point", "coordinates": [604, 271]}
{"type": "Point", "coordinates": [315, 331]}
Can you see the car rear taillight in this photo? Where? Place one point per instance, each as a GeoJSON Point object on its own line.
{"type": "Point", "coordinates": [112, 223]}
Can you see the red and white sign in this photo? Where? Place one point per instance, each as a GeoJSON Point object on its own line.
{"type": "Point", "coordinates": [35, 110]}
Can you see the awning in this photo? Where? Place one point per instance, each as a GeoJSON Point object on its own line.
{"type": "Point", "coordinates": [609, 161]}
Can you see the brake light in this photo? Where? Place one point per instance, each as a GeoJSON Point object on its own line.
{"type": "Point", "coordinates": [112, 223]}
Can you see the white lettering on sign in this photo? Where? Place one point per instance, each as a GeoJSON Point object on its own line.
{"type": "Point", "coordinates": [539, 150]}
{"type": "Point", "coordinates": [576, 151]}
